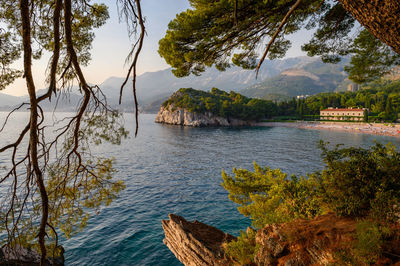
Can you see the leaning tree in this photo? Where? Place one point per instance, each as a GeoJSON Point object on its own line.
{"type": "Point", "coordinates": [218, 32]}
{"type": "Point", "coordinates": [52, 179]}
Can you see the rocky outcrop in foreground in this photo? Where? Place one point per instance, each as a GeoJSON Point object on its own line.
{"type": "Point", "coordinates": [301, 242]}
{"type": "Point", "coordinates": [195, 243]}
{"type": "Point", "coordinates": [24, 256]}
{"type": "Point", "coordinates": [181, 116]}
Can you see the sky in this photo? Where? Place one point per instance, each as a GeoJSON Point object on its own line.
{"type": "Point", "coordinates": [112, 45]}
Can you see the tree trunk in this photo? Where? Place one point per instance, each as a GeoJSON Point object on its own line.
{"type": "Point", "coordinates": [380, 17]}
{"type": "Point", "coordinates": [34, 139]}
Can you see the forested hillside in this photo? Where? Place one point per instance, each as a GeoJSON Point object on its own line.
{"type": "Point", "coordinates": [221, 103]}
{"type": "Point", "coordinates": [382, 98]}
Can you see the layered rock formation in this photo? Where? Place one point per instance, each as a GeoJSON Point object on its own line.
{"type": "Point", "coordinates": [301, 242]}
{"type": "Point", "coordinates": [195, 243]}
{"type": "Point", "coordinates": [181, 116]}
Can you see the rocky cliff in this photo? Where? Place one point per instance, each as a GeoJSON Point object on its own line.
{"type": "Point", "coordinates": [302, 242]}
{"type": "Point", "coordinates": [195, 243]}
{"type": "Point", "coordinates": [181, 116]}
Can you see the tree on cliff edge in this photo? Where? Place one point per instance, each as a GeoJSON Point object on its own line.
{"type": "Point", "coordinates": [216, 32]}
{"type": "Point", "coordinates": [51, 179]}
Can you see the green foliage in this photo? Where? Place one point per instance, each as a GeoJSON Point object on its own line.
{"type": "Point", "coordinates": [358, 182]}
{"type": "Point", "coordinates": [9, 53]}
{"type": "Point", "coordinates": [77, 183]}
{"type": "Point", "coordinates": [105, 128]}
{"type": "Point", "coordinates": [355, 182]}
{"type": "Point", "coordinates": [378, 96]}
{"type": "Point", "coordinates": [70, 206]}
{"type": "Point", "coordinates": [331, 39]}
{"type": "Point", "coordinates": [86, 18]}
{"type": "Point", "coordinates": [208, 34]}
{"type": "Point", "coordinates": [370, 240]}
{"type": "Point", "coordinates": [365, 116]}
{"type": "Point", "coordinates": [244, 248]}
{"type": "Point", "coordinates": [381, 97]}
{"type": "Point", "coordinates": [220, 103]}
{"type": "Point", "coordinates": [267, 196]}
{"type": "Point", "coordinates": [372, 58]}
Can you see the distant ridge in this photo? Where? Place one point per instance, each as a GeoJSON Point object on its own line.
{"type": "Point", "coordinates": [306, 79]}
{"type": "Point", "coordinates": [278, 80]}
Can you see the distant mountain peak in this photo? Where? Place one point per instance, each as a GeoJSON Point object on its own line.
{"type": "Point", "coordinates": [300, 72]}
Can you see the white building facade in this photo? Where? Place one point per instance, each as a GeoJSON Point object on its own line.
{"type": "Point", "coordinates": [352, 114]}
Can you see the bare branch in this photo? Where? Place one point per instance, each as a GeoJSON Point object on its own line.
{"type": "Point", "coordinates": [132, 68]}
{"type": "Point", "coordinates": [278, 30]}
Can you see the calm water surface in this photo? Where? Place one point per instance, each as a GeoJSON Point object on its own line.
{"type": "Point", "coordinates": [172, 169]}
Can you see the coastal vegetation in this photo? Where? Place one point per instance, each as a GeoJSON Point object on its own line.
{"type": "Point", "coordinates": [221, 103]}
{"type": "Point", "coordinates": [380, 97]}
{"type": "Point", "coordinates": [357, 183]}
{"type": "Point", "coordinates": [51, 181]}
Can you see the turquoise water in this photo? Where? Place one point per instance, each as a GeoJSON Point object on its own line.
{"type": "Point", "coordinates": [173, 169]}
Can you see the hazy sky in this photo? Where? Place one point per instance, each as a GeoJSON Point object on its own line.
{"type": "Point", "coordinates": [112, 44]}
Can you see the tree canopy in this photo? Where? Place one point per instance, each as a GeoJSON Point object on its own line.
{"type": "Point", "coordinates": [355, 182]}
{"type": "Point", "coordinates": [221, 103]}
{"type": "Point", "coordinates": [380, 98]}
{"type": "Point", "coordinates": [51, 179]}
{"type": "Point", "coordinates": [218, 32]}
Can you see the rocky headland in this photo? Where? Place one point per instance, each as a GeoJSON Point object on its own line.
{"type": "Point", "coordinates": [321, 241]}
{"type": "Point", "coordinates": [181, 116]}
{"type": "Point", "coordinates": [196, 108]}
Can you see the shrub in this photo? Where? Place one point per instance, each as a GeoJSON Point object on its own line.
{"type": "Point", "coordinates": [244, 248]}
{"type": "Point", "coordinates": [361, 182]}
{"type": "Point", "coordinates": [267, 196]}
{"type": "Point", "coordinates": [355, 182]}
{"type": "Point", "coordinates": [370, 240]}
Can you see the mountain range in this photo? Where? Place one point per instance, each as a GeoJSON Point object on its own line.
{"type": "Point", "coordinates": [277, 80]}
{"type": "Point", "coordinates": [306, 79]}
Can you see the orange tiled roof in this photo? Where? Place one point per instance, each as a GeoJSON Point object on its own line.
{"type": "Point", "coordinates": [343, 110]}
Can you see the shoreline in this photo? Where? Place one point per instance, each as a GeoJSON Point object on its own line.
{"type": "Point", "coordinates": [391, 130]}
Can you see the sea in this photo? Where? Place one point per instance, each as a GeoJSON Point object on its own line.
{"type": "Point", "coordinates": [175, 169]}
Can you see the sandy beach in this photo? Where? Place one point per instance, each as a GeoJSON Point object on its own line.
{"type": "Point", "coordinates": [366, 128]}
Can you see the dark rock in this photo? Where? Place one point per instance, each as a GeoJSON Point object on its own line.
{"type": "Point", "coordinates": [25, 256]}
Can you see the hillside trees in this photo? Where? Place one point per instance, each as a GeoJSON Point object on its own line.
{"type": "Point", "coordinates": [220, 103]}
{"type": "Point", "coordinates": [51, 179]}
{"type": "Point", "coordinates": [220, 31]}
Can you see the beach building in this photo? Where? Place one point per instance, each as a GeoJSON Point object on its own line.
{"type": "Point", "coordinates": [354, 114]}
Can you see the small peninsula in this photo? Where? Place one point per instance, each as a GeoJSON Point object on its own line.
{"type": "Point", "coordinates": [190, 107]}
